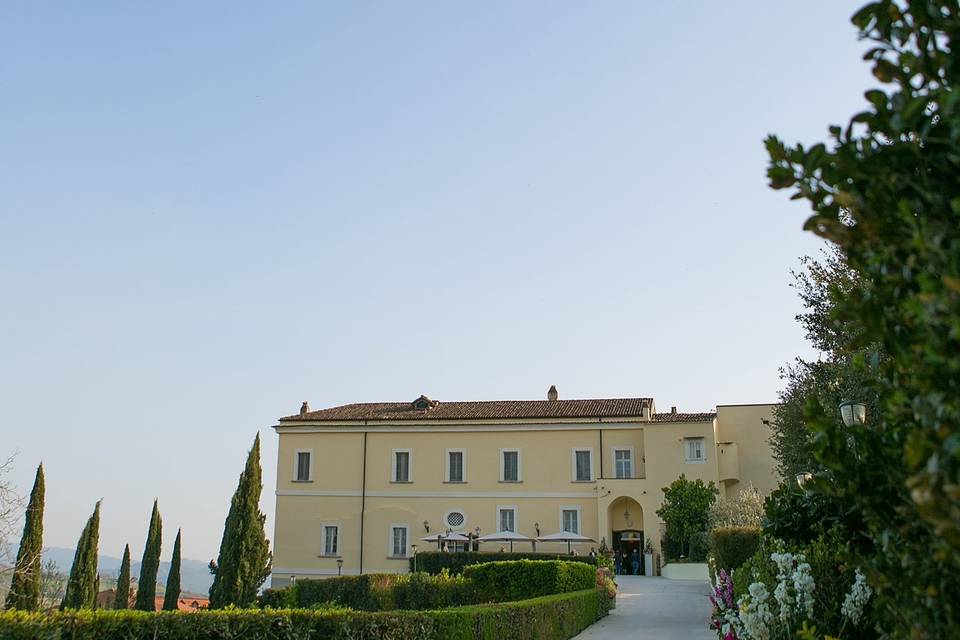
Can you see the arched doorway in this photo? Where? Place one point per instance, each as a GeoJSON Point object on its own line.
{"type": "Point", "coordinates": [625, 516]}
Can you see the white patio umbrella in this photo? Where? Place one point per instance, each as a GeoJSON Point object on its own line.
{"type": "Point", "coordinates": [450, 537]}
{"type": "Point", "coordinates": [565, 536]}
{"type": "Point", "coordinates": [505, 536]}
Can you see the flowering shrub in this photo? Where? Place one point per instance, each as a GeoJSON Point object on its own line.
{"type": "Point", "coordinates": [606, 583]}
{"type": "Point", "coordinates": [761, 615]}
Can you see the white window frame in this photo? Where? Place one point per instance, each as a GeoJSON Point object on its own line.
{"type": "Point", "coordinates": [572, 507]}
{"type": "Point", "coordinates": [463, 458]}
{"type": "Point", "coordinates": [323, 539]}
{"type": "Point", "coordinates": [686, 450]}
{"type": "Point", "coordinates": [519, 464]}
{"type": "Point", "coordinates": [573, 464]}
{"type": "Point", "coordinates": [633, 460]}
{"type": "Point", "coordinates": [393, 465]}
{"type": "Point", "coordinates": [406, 551]}
{"type": "Point", "coordinates": [516, 515]}
{"type": "Point", "coordinates": [296, 465]}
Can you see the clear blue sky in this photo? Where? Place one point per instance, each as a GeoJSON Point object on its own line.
{"type": "Point", "coordinates": [210, 212]}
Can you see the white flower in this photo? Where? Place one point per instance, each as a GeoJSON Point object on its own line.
{"type": "Point", "coordinates": [755, 615]}
{"type": "Point", "coordinates": [803, 586]}
{"type": "Point", "coordinates": [857, 599]}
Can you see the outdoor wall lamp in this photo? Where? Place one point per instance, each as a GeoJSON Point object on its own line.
{"type": "Point", "coordinates": [803, 477]}
{"type": "Point", "coordinates": [426, 526]}
{"type": "Point", "coordinates": [339, 566]}
{"type": "Point", "coordinates": [536, 525]}
{"type": "Point", "coordinates": [853, 413]}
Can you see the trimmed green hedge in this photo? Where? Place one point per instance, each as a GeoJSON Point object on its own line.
{"type": "Point", "coordinates": [487, 582]}
{"type": "Point", "coordinates": [435, 561]}
{"type": "Point", "coordinates": [369, 592]}
{"type": "Point", "coordinates": [374, 592]}
{"type": "Point", "coordinates": [732, 546]}
{"type": "Point", "coordinates": [555, 617]}
{"type": "Point", "coordinates": [519, 579]}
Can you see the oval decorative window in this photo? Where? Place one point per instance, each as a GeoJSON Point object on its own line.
{"type": "Point", "coordinates": [455, 519]}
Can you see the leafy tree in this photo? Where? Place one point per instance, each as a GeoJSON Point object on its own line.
{"type": "Point", "coordinates": [147, 585]}
{"type": "Point", "coordinates": [745, 509]}
{"type": "Point", "coordinates": [686, 512]}
{"type": "Point", "coordinates": [24, 591]}
{"type": "Point", "coordinates": [244, 560]}
{"type": "Point", "coordinates": [52, 585]}
{"type": "Point", "coordinates": [886, 193]}
{"type": "Point", "coordinates": [81, 592]}
{"type": "Point", "coordinates": [829, 380]}
{"type": "Point", "coordinates": [172, 593]}
{"type": "Point", "coordinates": [122, 600]}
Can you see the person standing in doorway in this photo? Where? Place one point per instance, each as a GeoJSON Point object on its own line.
{"type": "Point", "coordinates": [635, 562]}
{"type": "Point", "coordinates": [617, 563]}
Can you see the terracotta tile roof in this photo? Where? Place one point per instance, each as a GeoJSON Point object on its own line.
{"type": "Point", "coordinates": [421, 409]}
{"type": "Point", "coordinates": [684, 417]}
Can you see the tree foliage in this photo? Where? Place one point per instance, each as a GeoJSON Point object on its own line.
{"type": "Point", "coordinates": [122, 599]}
{"type": "Point", "coordinates": [24, 591]}
{"type": "Point", "coordinates": [81, 592]}
{"type": "Point", "coordinates": [886, 192]}
{"type": "Point", "coordinates": [147, 584]}
{"type": "Point", "coordinates": [745, 509]}
{"type": "Point", "coordinates": [172, 592]}
{"type": "Point", "coordinates": [685, 511]}
{"type": "Point", "coordinates": [243, 563]}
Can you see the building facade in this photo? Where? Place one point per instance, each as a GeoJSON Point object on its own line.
{"type": "Point", "coordinates": [359, 485]}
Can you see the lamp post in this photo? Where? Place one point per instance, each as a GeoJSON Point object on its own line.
{"type": "Point", "coordinates": [339, 566]}
{"type": "Point", "coordinates": [853, 413]}
{"type": "Point", "coordinates": [413, 548]}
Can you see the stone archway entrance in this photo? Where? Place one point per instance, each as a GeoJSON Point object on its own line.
{"type": "Point", "coordinates": [625, 516]}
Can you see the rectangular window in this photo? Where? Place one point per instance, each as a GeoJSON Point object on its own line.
{"type": "Point", "coordinates": [302, 466]}
{"type": "Point", "coordinates": [570, 520]}
{"type": "Point", "coordinates": [623, 463]}
{"type": "Point", "coordinates": [510, 465]}
{"type": "Point", "coordinates": [583, 465]}
{"type": "Point", "coordinates": [696, 452]}
{"type": "Point", "coordinates": [401, 465]}
{"type": "Point", "coordinates": [331, 540]}
{"type": "Point", "coordinates": [507, 518]}
{"type": "Point", "coordinates": [455, 472]}
{"type": "Point", "coordinates": [398, 541]}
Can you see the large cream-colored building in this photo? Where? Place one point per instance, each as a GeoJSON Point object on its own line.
{"type": "Point", "coordinates": [363, 483]}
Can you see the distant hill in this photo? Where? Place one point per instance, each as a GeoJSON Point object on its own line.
{"type": "Point", "coordinates": [194, 575]}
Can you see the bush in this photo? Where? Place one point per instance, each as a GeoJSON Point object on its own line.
{"type": "Point", "coordinates": [732, 546]}
{"type": "Point", "coordinates": [832, 570]}
{"type": "Point", "coordinates": [553, 617]}
{"type": "Point", "coordinates": [374, 592]}
{"type": "Point", "coordinates": [419, 591]}
{"type": "Point", "coordinates": [436, 561]}
{"type": "Point", "coordinates": [698, 547]}
{"type": "Point", "coordinates": [519, 579]}
{"type": "Point", "coordinates": [369, 592]}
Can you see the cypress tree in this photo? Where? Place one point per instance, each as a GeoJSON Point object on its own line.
{"type": "Point", "coordinates": [244, 560]}
{"type": "Point", "coordinates": [147, 587]}
{"type": "Point", "coordinates": [122, 600]}
{"type": "Point", "coordinates": [24, 591]}
{"type": "Point", "coordinates": [172, 594]}
{"type": "Point", "coordinates": [81, 586]}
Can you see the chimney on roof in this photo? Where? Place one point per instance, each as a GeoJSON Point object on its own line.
{"type": "Point", "coordinates": [673, 410]}
{"type": "Point", "coordinates": [305, 408]}
{"type": "Point", "coordinates": [552, 394]}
